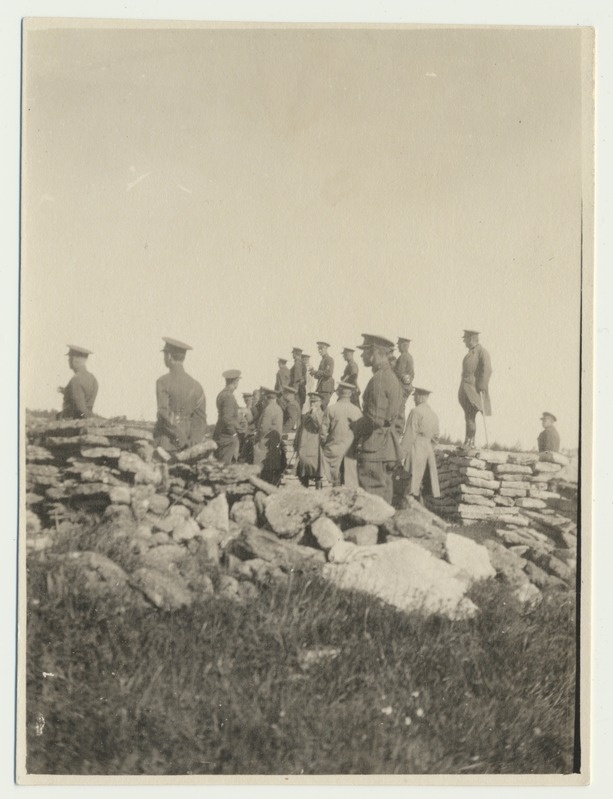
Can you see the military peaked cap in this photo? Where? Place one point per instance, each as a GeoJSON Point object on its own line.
{"type": "Point", "coordinates": [424, 391]}
{"type": "Point", "coordinates": [231, 374]}
{"type": "Point", "coordinates": [343, 384]}
{"type": "Point", "coordinates": [323, 343]}
{"type": "Point", "coordinates": [247, 394]}
{"type": "Point", "coordinates": [371, 340]}
{"type": "Point", "coordinates": [402, 338]}
{"type": "Point", "coordinates": [81, 351]}
{"type": "Point", "coordinates": [550, 415]}
{"type": "Point", "coordinates": [348, 349]}
{"type": "Point", "coordinates": [296, 349]}
{"type": "Point", "coordinates": [470, 333]}
{"type": "Point", "coordinates": [172, 345]}
{"type": "Point", "coordinates": [270, 392]}
{"type": "Point", "coordinates": [305, 355]}
{"type": "Point", "coordinates": [282, 360]}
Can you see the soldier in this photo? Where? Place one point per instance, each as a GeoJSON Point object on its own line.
{"type": "Point", "coordinates": [307, 443]}
{"type": "Point", "coordinates": [246, 430]}
{"type": "Point", "coordinates": [283, 377]}
{"type": "Point", "coordinates": [377, 443]}
{"type": "Point", "coordinates": [420, 433]}
{"type": "Point", "coordinates": [473, 394]}
{"type": "Point", "coordinates": [323, 374]}
{"type": "Point", "coordinates": [405, 372]}
{"type": "Point", "coordinates": [228, 423]}
{"type": "Point", "coordinates": [298, 375]}
{"type": "Point", "coordinates": [268, 447]}
{"type": "Point", "coordinates": [337, 437]}
{"type": "Point", "coordinates": [82, 389]}
{"type": "Point", "coordinates": [291, 411]}
{"type": "Point", "coordinates": [350, 375]}
{"type": "Point", "coordinates": [549, 438]}
{"type": "Point", "coordinates": [181, 405]}
{"type": "Point", "coordinates": [309, 383]}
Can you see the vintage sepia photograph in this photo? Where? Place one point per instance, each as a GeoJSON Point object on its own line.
{"type": "Point", "coordinates": [305, 401]}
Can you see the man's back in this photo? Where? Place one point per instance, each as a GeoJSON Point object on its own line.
{"type": "Point", "coordinates": [80, 395]}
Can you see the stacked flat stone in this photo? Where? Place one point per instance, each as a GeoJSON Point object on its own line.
{"type": "Point", "coordinates": [487, 484]}
{"type": "Point", "coordinates": [75, 466]}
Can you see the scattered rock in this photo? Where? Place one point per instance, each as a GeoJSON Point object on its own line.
{"type": "Point", "coordinates": [215, 514]}
{"type": "Point", "coordinates": [469, 556]}
{"type": "Point", "coordinates": [326, 533]}
{"type": "Point", "coordinates": [186, 530]}
{"type": "Point", "coordinates": [413, 525]}
{"type": "Point", "coordinates": [164, 591]}
{"type": "Point", "coordinates": [244, 512]}
{"type": "Point", "coordinates": [163, 558]}
{"type": "Point", "coordinates": [364, 536]}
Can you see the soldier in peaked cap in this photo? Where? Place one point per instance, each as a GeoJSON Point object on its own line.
{"type": "Point", "coordinates": [350, 374]}
{"type": "Point", "coordinates": [228, 422]}
{"type": "Point", "coordinates": [473, 394]}
{"type": "Point", "coordinates": [405, 372]}
{"type": "Point", "coordinates": [298, 374]}
{"type": "Point", "coordinates": [307, 443]}
{"type": "Point", "coordinates": [377, 443]}
{"type": "Point", "coordinates": [337, 437]}
{"type": "Point", "coordinates": [80, 393]}
{"type": "Point", "coordinates": [324, 374]}
{"type": "Point", "coordinates": [283, 377]}
{"type": "Point", "coordinates": [549, 438]}
{"type": "Point", "coordinates": [420, 433]}
{"type": "Point", "coordinates": [268, 451]}
{"type": "Point", "coordinates": [291, 409]}
{"type": "Point", "coordinates": [181, 404]}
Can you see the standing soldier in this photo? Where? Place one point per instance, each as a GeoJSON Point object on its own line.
{"type": "Point", "coordinates": [337, 437]}
{"type": "Point", "coordinates": [421, 432]}
{"type": "Point", "coordinates": [298, 375]}
{"type": "Point", "coordinates": [405, 372]}
{"type": "Point", "coordinates": [473, 394]}
{"type": "Point", "coordinates": [378, 449]}
{"type": "Point", "coordinates": [181, 405]}
{"type": "Point", "coordinates": [283, 377]}
{"type": "Point", "coordinates": [350, 375]}
{"type": "Point", "coordinates": [246, 429]}
{"type": "Point", "coordinates": [82, 389]}
{"type": "Point", "coordinates": [309, 383]}
{"type": "Point", "coordinates": [549, 438]}
{"type": "Point", "coordinates": [325, 380]}
{"type": "Point", "coordinates": [268, 447]}
{"type": "Point", "coordinates": [228, 423]}
{"type": "Point", "coordinates": [308, 445]}
{"type": "Point", "coordinates": [291, 411]}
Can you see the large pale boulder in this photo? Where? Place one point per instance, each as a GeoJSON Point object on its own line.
{"type": "Point", "coordinates": [215, 514]}
{"type": "Point", "coordinates": [404, 575]}
{"type": "Point", "coordinates": [554, 457]}
{"type": "Point", "coordinates": [163, 558]}
{"type": "Point", "coordinates": [469, 556]}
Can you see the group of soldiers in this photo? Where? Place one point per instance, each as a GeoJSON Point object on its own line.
{"type": "Point", "coordinates": [358, 440]}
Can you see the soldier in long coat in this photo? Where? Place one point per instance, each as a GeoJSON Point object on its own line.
{"type": "Point", "coordinates": [307, 443]}
{"type": "Point", "coordinates": [549, 438]}
{"type": "Point", "coordinates": [228, 422]}
{"type": "Point", "coordinates": [246, 429]}
{"type": "Point", "coordinates": [324, 374]}
{"type": "Point", "coordinates": [420, 433]}
{"type": "Point", "coordinates": [283, 377]}
{"type": "Point", "coordinates": [378, 448]}
{"type": "Point", "coordinates": [473, 394]}
{"type": "Point", "coordinates": [350, 374]}
{"type": "Point", "coordinates": [337, 438]}
{"type": "Point", "coordinates": [181, 405]}
{"type": "Point", "coordinates": [268, 448]}
{"type": "Point", "coordinates": [80, 393]}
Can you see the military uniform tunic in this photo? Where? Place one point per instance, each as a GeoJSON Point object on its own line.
{"type": "Point", "coordinates": [421, 431]}
{"type": "Point", "coordinates": [350, 375]}
{"type": "Point", "coordinates": [476, 373]}
{"type": "Point", "coordinates": [80, 395]}
{"type": "Point", "coordinates": [405, 372]}
{"type": "Point", "coordinates": [291, 415]}
{"type": "Point", "coordinates": [325, 381]}
{"type": "Point", "coordinates": [181, 414]}
{"type": "Point", "coordinates": [227, 427]}
{"type": "Point", "coordinates": [283, 378]}
{"type": "Point", "coordinates": [549, 440]}
{"type": "Point", "coordinates": [377, 444]}
{"type": "Point", "coordinates": [298, 379]}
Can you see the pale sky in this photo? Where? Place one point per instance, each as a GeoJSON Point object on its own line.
{"type": "Point", "coordinates": [248, 191]}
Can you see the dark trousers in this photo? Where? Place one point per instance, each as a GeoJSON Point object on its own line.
{"type": "Point", "coordinates": [376, 478]}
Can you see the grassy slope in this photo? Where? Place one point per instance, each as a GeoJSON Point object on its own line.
{"type": "Point", "coordinates": [219, 688]}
